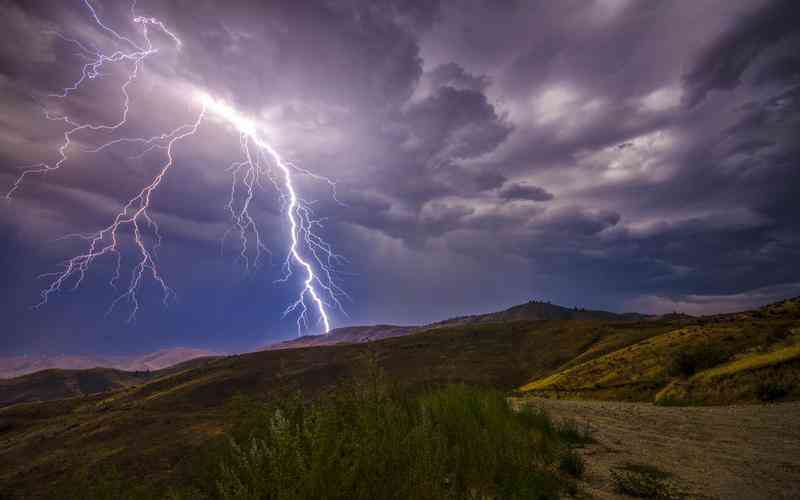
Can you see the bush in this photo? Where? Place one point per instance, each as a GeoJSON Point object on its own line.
{"type": "Point", "coordinates": [366, 442]}
{"type": "Point", "coordinates": [768, 391]}
{"type": "Point", "coordinates": [369, 440]}
{"type": "Point", "coordinates": [572, 463]}
{"type": "Point", "coordinates": [574, 434]}
{"type": "Point", "coordinates": [687, 362]}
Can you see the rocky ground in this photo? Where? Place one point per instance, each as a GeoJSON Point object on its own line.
{"type": "Point", "coordinates": [725, 452]}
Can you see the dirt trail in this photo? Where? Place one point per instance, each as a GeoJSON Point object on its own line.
{"type": "Point", "coordinates": [732, 452]}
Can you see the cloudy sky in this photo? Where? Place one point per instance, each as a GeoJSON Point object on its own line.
{"type": "Point", "coordinates": [617, 154]}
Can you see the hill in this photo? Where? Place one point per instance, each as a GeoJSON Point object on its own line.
{"type": "Point", "coordinates": [60, 385]}
{"type": "Point", "coordinates": [540, 311]}
{"type": "Point", "coordinates": [346, 335]}
{"type": "Point", "coordinates": [53, 383]}
{"type": "Point", "coordinates": [57, 384]}
{"type": "Point", "coordinates": [723, 359]}
{"type": "Point", "coordinates": [149, 428]}
{"type": "Point", "coordinates": [15, 366]}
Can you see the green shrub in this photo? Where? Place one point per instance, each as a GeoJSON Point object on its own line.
{"type": "Point", "coordinates": [573, 433]}
{"type": "Point", "coordinates": [367, 441]}
{"type": "Point", "coordinates": [769, 391]}
{"type": "Point", "coordinates": [572, 463]}
{"type": "Point", "coordinates": [687, 362]}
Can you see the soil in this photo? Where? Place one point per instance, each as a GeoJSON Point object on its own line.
{"type": "Point", "coordinates": [724, 452]}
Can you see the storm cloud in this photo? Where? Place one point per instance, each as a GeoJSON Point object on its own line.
{"type": "Point", "coordinates": [608, 154]}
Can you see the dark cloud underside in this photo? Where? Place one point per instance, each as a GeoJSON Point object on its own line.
{"type": "Point", "coordinates": [606, 153]}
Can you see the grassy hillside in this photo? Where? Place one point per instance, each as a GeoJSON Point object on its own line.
{"type": "Point", "coordinates": [57, 384]}
{"type": "Point", "coordinates": [47, 385]}
{"type": "Point", "coordinates": [743, 357]}
{"type": "Point", "coordinates": [148, 429]}
{"type": "Point", "coordinates": [17, 366]}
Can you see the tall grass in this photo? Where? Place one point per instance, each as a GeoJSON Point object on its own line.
{"type": "Point", "coordinates": [368, 440]}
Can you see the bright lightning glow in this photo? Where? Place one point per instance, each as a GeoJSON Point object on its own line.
{"type": "Point", "coordinates": [306, 249]}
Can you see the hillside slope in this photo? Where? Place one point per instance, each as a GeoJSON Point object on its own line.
{"type": "Point", "coordinates": [346, 335]}
{"type": "Point", "coordinates": [16, 366]}
{"type": "Point", "coordinates": [741, 357]}
{"type": "Point", "coordinates": [149, 428]}
{"type": "Point", "coordinates": [47, 385]}
{"type": "Point", "coordinates": [57, 384]}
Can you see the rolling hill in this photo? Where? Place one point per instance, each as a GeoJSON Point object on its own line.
{"type": "Point", "coordinates": [732, 358]}
{"type": "Point", "coordinates": [55, 383]}
{"type": "Point", "coordinates": [16, 366]}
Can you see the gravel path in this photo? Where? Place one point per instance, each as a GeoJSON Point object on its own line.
{"type": "Point", "coordinates": [731, 452]}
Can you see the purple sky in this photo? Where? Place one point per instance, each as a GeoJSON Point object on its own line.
{"type": "Point", "coordinates": [615, 154]}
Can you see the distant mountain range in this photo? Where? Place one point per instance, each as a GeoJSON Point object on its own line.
{"type": "Point", "coordinates": [15, 366]}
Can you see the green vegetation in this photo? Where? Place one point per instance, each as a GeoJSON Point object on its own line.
{"type": "Point", "coordinates": [687, 362]}
{"type": "Point", "coordinates": [367, 440]}
{"type": "Point", "coordinates": [572, 463]}
{"type": "Point", "coordinates": [734, 358]}
{"type": "Point", "coordinates": [574, 434]}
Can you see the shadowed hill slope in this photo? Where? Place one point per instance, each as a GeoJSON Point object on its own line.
{"type": "Point", "coordinates": [57, 384]}
{"type": "Point", "coordinates": [46, 385]}
{"type": "Point", "coordinates": [16, 366]}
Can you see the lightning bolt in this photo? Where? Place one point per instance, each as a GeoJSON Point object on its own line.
{"type": "Point", "coordinates": [260, 161]}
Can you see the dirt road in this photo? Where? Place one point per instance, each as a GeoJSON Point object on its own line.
{"type": "Point", "coordinates": [733, 452]}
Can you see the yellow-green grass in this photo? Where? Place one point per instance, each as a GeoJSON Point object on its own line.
{"type": "Point", "coordinates": [751, 362]}
{"type": "Point", "coordinates": [745, 379]}
{"type": "Point", "coordinates": [752, 341]}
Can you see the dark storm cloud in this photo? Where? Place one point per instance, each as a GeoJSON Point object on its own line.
{"type": "Point", "coordinates": [519, 191]}
{"type": "Point", "coordinates": [485, 153]}
{"type": "Point", "coordinates": [723, 63]}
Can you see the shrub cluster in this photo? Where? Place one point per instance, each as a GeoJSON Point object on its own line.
{"type": "Point", "coordinates": [368, 440]}
{"type": "Point", "coordinates": [687, 362]}
{"type": "Point", "coordinates": [769, 391]}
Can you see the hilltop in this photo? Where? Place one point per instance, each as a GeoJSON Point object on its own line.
{"type": "Point", "coordinates": [346, 335]}
{"type": "Point", "coordinates": [540, 311]}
